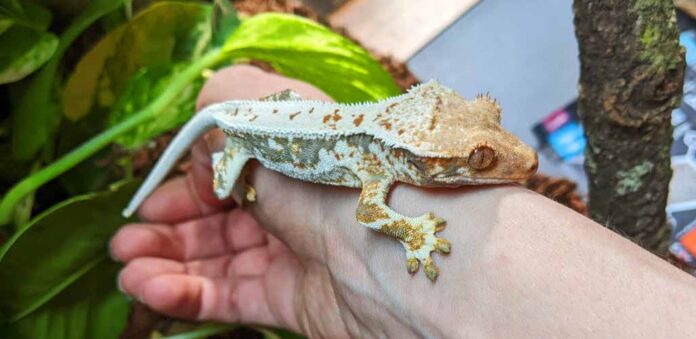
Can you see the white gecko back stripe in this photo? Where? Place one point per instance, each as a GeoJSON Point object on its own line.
{"type": "Point", "coordinates": [396, 124]}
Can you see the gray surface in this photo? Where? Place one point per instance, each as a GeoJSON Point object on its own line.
{"type": "Point", "coordinates": [523, 52]}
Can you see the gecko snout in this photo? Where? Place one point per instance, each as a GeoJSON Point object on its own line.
{"type": "Point", "coordinates": [534, 164]}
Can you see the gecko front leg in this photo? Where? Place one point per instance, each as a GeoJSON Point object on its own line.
{"type": "Point", "coordinates": [416, 234]}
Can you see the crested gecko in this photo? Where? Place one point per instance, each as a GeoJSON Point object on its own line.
{"type": "Point", "coordinates": [429, 136]}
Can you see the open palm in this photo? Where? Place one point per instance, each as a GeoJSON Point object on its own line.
{"type": "Point", "coordinates": [218, 266]}
{"type": "Point", "coordinates": [199, 258]}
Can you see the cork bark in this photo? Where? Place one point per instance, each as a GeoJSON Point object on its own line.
{"type": "Point", "coordinates": [631, 78]}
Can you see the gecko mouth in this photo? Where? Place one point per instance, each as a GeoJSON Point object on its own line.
{"type": "Point", "coordinates": [477, 181]}
{"type": "Point", "coordinates": [497, 180]}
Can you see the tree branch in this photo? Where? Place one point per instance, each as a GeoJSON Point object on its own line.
{"type": "Point", "coordinates": [632, 74]}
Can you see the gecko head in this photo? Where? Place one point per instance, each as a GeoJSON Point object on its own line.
{"type": "Point", "coordinates": [469, 146]}
{"type": "Point", "coordinates": [488, 156]}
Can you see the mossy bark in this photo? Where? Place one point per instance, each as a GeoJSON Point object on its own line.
{"type": "Point", "coordinates": [631, 78]}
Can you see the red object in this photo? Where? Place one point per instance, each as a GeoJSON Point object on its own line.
{"type": "Point", "coordinates": [555, 120]}
{"type": "Point", "coordinates": [689, 241]}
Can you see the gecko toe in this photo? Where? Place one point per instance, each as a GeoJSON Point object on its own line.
{"type": "Point", "coordinates": [250, 193]}
{"type": "Point", "coordinates": [438, 222]}
{"type": "Point", "coordinates": [412, 265]}
{"type": "Point", "coordinates": [431, 270]}
{"type": "Point", "coordinates": [443, 246]}
{"type": "Point", "coordinates": [421, 242]}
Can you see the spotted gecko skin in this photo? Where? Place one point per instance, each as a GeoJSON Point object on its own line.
{"type": "Point", "coordinates": [429, 136]}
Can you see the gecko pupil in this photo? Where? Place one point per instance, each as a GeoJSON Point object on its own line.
{"type": "Point", "coordinates": [481, 158]}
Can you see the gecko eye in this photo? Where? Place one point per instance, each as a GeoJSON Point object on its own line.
{"type": "Point", "coordinates": [481, 158]}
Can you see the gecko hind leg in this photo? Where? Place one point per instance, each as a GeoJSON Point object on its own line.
{"type": "Point", "coordinates": [416, 234]}
{"type": "Point", "coordinates": [284, 95]}
{"type": "Point", "coordinates": [227, 167]}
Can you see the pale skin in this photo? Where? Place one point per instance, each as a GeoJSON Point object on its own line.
{"type": "Point", "coordinates": [521, 265]}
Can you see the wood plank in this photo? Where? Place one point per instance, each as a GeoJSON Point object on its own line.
{"type": "Point", "coordinates": [399, 28]}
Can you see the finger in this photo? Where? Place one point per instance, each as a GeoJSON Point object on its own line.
{"type": "Point", "coordinates": [250, 263]}
{"type": "Point", "coordinates": [215, 235]}
{"type": "Point", "coordinates": [146, 240]}
{"type": "Point", "coordinates": [244, 82]}
{"type": "Point", "coordinates": [167, 288]}
{"type": "Point", "coordinates": [201, 174]}
{"type": "Point", "coordinates": [214, 299]}
{"type": "Point", "coordinates": [164, 287]}
{"type": "Point", "coordinates": [219, 234]}
{"type": "Point", "coordinates": [177, 200]}
{"type": "Point", "coordinates": [132, 277]}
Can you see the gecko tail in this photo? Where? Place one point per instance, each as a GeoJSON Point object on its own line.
{"type": "Point", "coordinates": [199, 125]}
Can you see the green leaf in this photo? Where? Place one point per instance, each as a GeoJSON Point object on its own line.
{"type": "Point", "coordinates": [26, 14]}
{"type": "Point", "coordinates": [296, 47]}
{"type": "Point", "coordinates": [189, 330]}
{"type": "Point", "coordinates": [25, 50]}
{"type": "Point", "coordinates": [165, 33]}
{"type": "Point", "coordinates": [4, 25]}
{"type": "Point", "coordinates": [148, 84]}
{"type": "Point", "coordinates": [36, 114]}
{"type": "Point", "coordinates": [224, 21]}
{"type": "Point", "coordinates": [10, 10]}
{"type": "Point", "coordinates": [11, 170]}
{"type": "Point", "coordinates": [89, 308]}
{"type": "Point", "coordinates": [96, 172]}
{"type": "Point", "coordinates": [203, 331]}
{"type": "Point", "coordinates": [54, 254]}
{"type": "Point", "coordinates": [276, 333]}
{"type": "Point", "coordinates": [82, 86]}
{"type": "Point", "coordinates": [305, 50]}
{"type": "Point", "coordinates": [29, 184]}
{"type": "Point", "coordinates": [25, 44]}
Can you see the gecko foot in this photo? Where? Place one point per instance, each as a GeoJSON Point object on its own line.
{"type": "Point", "coordinates": [418, 237]}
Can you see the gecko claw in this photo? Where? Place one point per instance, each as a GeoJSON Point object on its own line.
{"type": "Point", "coordinates": [250, 193]}
{"type": "Point", "coordinates": [443, 246]}
{"type": "Point", "coordinates": [440, 223]}
{"type": "Point", "coordinates": [431, 269]}
{"type": "Point", "coordinates": [412, 265]}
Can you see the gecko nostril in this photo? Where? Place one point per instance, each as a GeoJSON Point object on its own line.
{"type": "Point", "coordinates": [534, 165]}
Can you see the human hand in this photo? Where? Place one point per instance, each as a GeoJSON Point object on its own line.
{"type": "Point", "coordinates": [196, 257]}
{"type": "Point", "coordinates": [521, 265]}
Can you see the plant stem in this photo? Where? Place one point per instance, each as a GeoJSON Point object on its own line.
{"type": "Point", "coordinates": [22, 213]}
{"type": "Point", "coordinates": [84, 151]}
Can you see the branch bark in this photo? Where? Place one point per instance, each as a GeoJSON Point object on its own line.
{"type": "Point", "coordinates": [631, 78]}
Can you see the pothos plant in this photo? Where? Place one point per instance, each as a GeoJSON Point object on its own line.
{"type": "Point", "coordinates": [117, 74]}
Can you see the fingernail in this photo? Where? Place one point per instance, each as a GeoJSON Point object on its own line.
{"type": "Point", "coordinates": [111, 253]}
{"type": "Point", "coordinates": [118, 283]}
